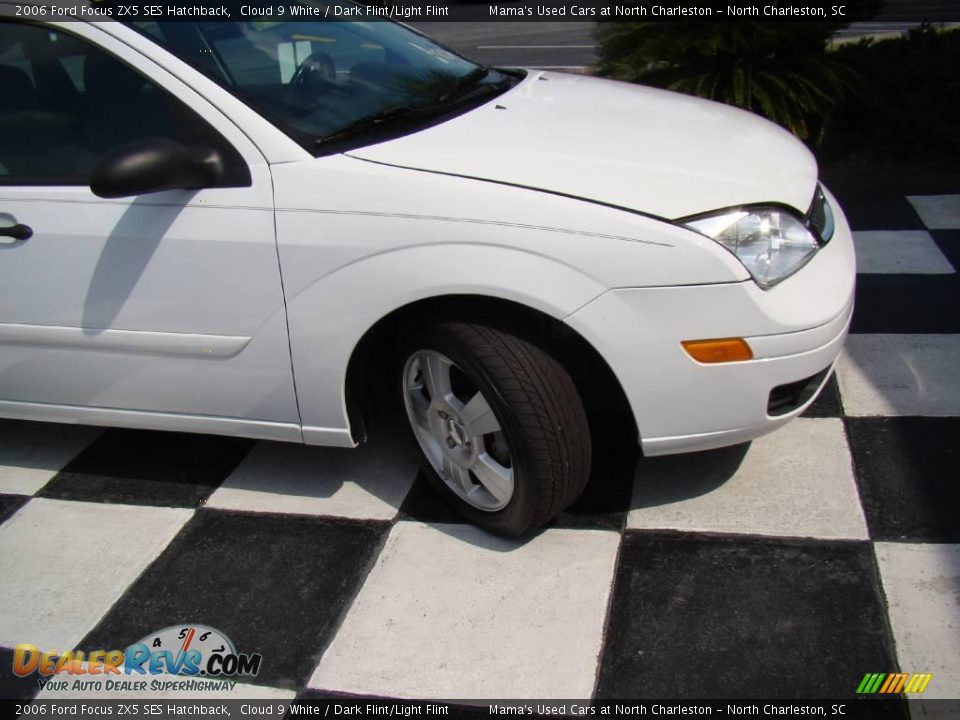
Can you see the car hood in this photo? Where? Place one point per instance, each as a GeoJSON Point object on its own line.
{"type": "Point", "coordinates": [645, 149]}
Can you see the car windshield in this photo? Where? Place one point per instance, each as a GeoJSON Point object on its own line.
{"type": "Point", "coordinates": [326, 82]}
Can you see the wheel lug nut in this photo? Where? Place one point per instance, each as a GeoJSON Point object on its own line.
{"type": "Point", "coordinates": [442, 414]}
{"type": "Point", "coordinates": [451, 443]}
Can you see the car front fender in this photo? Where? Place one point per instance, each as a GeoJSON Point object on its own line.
{"type": "Point", "coordinates": [328, 318]}
{"type": "Point", "coordinates": [357, 240]}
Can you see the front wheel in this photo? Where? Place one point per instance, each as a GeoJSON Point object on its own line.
{"type": "Point", "coordinates": [499, 423]}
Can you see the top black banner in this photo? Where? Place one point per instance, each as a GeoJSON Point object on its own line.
{"type": "Point", "coordinates": [833, 11]}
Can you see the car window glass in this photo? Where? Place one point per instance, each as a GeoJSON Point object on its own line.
{"type": "Point", "coordinates": [65, 103]}
{"type": "Point", "coordinates": [339, 47]}
{"type": "Point", "coordinates": [315, 78]}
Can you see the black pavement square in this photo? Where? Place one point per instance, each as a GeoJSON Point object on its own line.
{"type": "Point", "coordinates": [9, 504]}
{"type": "Point", "coordinates": [949, 243]}
{"type": "Point", "coordinates": [274, 584]}
{"type": "Point", "coordinates": [139, 467]}
{"type": "Point", "coordinates": [906, 304]}
{"type": "Point", "coordinates": [872, 201]}
{"type": "Point", "coordinates": [742, 617]}
{"type": "Point", "coordinates": [13, 687]}
{"type": "Point", "coordinates": [877, 200]}
{"type": "Point", "coordinates": [827, 404]}
{"type": "Point", "coordinates": [907, 470]}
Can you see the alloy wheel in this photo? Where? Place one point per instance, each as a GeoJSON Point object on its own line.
{"type": "Point", "coordinates": [458, 430]}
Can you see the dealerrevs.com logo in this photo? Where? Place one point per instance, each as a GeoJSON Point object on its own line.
{"type": "Point", "coordinates": [189, 651]}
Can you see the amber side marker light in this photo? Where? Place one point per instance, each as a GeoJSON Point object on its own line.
{"type": "Point", "coordinates": [718, 351]}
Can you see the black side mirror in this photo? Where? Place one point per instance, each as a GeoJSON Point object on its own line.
{"type": "Point", "coordinates": [153, 165]}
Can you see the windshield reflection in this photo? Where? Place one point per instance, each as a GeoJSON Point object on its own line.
{"type": "Point", "coordinates": [318, 79]}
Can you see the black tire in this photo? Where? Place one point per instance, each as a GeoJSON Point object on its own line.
{"type": "Point", "coordinates": [540, 413]}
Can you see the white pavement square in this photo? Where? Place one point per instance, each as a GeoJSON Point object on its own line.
{"type": "Point", "coordinates": [32, 453]}
{"type": "Point", "coordinates": [449, 611]}
{"type": "Point", "coordinates": [899, 251]}
{"type": "Point", "coordinates": [897, 375]}
{"type": "Point", "coordinates": [922, 585]}
{"type": "Point", "coordinates": [368, 482]}
{"type": "Point", "coordinates": [938, 212]}
{"type": "Point", "coordinates": [65, 563]}
{"type": "Point", "coordinates": [779, 487]}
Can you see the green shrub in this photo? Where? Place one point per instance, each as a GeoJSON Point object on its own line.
{"type": "Point", "coordinates": [872, 103]}
{"type": "Point", "coordinates": [906, 110]}
{"type": "Point", "coordinates": [779, 70]}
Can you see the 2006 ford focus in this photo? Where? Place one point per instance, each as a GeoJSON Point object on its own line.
{"type": "Point", "coordinates": [245, 228]}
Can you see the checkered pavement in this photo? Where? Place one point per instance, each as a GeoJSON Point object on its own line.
{"type": "Point", "coordinates": [788, 568]}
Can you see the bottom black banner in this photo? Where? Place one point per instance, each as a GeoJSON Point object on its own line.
{"type": "Point", "coordinates": [340, 707]}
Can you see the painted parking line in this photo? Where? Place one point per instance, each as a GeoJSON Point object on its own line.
{"type": "Point", "coordinates": [893, 375]}
{"type": "Point", "coordinates": [922, 585]}
{"type": "Point", "coordinates": [899, 251]}
{"type": "Point", "coordinates": [938, 212]}
{"type": "Point", "coordinates": [450, 611]}
{"type": "Point", "coordinates": [775, 486]}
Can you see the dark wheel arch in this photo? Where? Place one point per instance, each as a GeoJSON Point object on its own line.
{"type": "Point", "coordinates": [368, 394]}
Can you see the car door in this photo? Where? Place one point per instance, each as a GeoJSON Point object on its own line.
{"type": "Point", "coordinates": [162, 309]}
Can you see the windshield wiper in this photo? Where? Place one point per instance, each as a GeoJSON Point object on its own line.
{"type": "Point", "coordinates": [375, 121]}
{"type": "Point", "coordinates": [463, 83]}
{"type": "Point", "coordinates": [401, 114]}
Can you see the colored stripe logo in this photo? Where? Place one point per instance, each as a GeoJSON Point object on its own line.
{"type": "Point", "coordinates": [893, 683]}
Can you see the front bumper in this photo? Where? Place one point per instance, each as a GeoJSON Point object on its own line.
{"type": "Point", "coordinates": [795, 329]}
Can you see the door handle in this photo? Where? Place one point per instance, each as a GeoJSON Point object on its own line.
{"type": "Point", "coordinates": [18, 232]}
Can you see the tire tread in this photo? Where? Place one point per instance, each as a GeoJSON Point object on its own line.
{"type": "Point", "coordinates": [547, 406]}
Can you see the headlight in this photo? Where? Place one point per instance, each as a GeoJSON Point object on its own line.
{"type": "Point", "coordinates": [770, 242]}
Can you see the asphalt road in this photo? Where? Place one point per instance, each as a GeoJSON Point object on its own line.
{"type": "Point", "coordinates": [549, 45]}
{"type": "Point", "coordinates": [898, 16]}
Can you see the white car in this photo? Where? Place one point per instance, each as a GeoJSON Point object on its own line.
{"type": "Point", "coordinates": [245, 228]}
